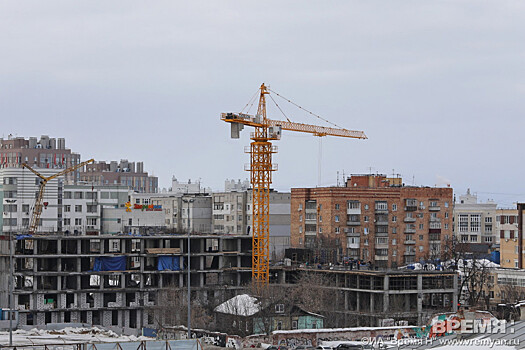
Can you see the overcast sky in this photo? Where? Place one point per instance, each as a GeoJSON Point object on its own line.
{"type": "Point", "coordinates": [437, 86]}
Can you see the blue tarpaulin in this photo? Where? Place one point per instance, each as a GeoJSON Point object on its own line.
{"type": "Point", "coordinates": [110, 263]}
{"type": "Point", "coordinates": [169, 262]}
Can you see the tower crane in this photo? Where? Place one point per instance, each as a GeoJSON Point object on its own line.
{"type": "Point", "coordinates": [37, 211]}
{"type": "Point", "coordinates": [261, 169]}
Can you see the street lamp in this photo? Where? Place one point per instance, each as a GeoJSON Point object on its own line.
{"type": "Point", "coordinates": [10, 296]}
{"type": "Point", "coordinates": [188, 201]}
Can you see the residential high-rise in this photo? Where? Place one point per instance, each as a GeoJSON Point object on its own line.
{"type": "Point", "coordinates": [124, 173]}
{"type": "Point", "coordinates": [373, 218]}
{"type": "Point", "coordinates": [510, 229]}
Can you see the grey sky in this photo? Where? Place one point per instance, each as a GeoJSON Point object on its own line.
{"type": "Point", "coordinates": [438, 86]}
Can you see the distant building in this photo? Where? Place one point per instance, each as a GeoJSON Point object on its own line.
{"type": "Point", "coordinates": [507, 231]}
{"type": "Point", "coordinates": [474, 222]}
{"type": "Point", "coordinates": [372, 218]}
{"type": "Point", "coordinates": [46, 153]}
{"type": "Point", "coordinates": [185, 187]}
{"type": "Point", "coordinates": [233, 214]}
{"type": "Point", "coordinates": [123, 173]}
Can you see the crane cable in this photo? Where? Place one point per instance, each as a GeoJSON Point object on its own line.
{"type": "Point", "coordinates": [304, 109]}
{"type": "Point", "coordinates": [279, 107]}
{"type": "Point", "coordinates": [250, 102]}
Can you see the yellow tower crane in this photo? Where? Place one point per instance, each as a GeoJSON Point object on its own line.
{"type": "Point", "coordinates": [37, 211]}
{"type": "Point", "coordinates": [261, 168]}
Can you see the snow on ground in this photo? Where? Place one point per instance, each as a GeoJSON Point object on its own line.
{"type": "Point", "coordinates": [67, 335]}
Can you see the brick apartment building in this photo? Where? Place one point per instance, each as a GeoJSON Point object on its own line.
{"type": "Point", "coordinates": [373, 218]}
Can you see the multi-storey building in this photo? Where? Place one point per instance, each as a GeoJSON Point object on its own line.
{"type": "Point", "coordinates": [374, 219]}
{"type": "Point", "coordinates": [113, 280]}
{"type": "Point", "coordinates": [233, 214]}
{"type": "Point", "coordinates": [474, 222]}
{"type": "Point", "coordinates": [46, 153]}
{"type": "Point", "coordinates": [123, 173]}
{"type": "Point", "coordinates": [507, 231]}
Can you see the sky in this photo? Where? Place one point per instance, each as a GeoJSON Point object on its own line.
{"type": "Point", "coordinates": [437, 86]}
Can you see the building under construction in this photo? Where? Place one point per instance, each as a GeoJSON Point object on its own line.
{"type": "Point", "coordinates": [381, 298]}
{"type": "Point", "coordinates": [113, 280]}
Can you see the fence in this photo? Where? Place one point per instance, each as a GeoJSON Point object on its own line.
{"type": "Point", "coordinates": [136, 345]}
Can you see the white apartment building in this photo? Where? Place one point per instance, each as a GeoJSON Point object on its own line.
{"type": "Point", "coordinates": [475, 221]}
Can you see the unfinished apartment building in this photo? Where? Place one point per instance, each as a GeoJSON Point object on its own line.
{"type": "Point", "coordinates": [111, 280]}
{"type": "Point", "coordinates": [379, 298]}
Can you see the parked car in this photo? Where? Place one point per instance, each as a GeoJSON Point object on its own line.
{"type": "Point", "coordinates": [353, 346]}
{"type": "Point", "coordinates": [323, 347]}
{"type": "Point", "coordinates": [304, 347]}
{"type": "Point", "coordinates": [277, 347]}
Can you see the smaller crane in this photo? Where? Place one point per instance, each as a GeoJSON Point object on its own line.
{"type": "Point", "coordinates": [35, 218]}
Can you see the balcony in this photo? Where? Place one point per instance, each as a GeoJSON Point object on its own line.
{"type": "Point", "coordinates": [435, 219]}
{"type": "Point", "coordinates": [409, 220]}
{"type": "Point", "coordinates": [310, 233]}
{"type": "Point", "coordinates": [410, 230]}
{"type": "Point", "coordinates": [353, 211]}
{"type": "Point", "coordinates": [434, 208]}
{"type": "Point", "coordinates": [381, 222]}
{"type": "Point", "coordinates": [409, 253]}
{"type": "Point", "coordinates": [410, 241]}
{"type": "Point", "coordinates": [353, 223]}
{"type": "Point", "coordinates": [381, 257]}
{"type": "Point", "coordinates": [381, 246]}
{"type": "Point", "coordinates": [350, 233]}
{"type": "Point", "coordinates": [381, 234]}
{"type": "Point", "coordinates": [411, 208]}
{"type": "Point", "coordinates": [353, 245]}
{"type": "Point", "coordinates": [381, 211]}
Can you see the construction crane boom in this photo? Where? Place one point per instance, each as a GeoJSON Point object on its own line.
{"type": "Point", "coordinates": [261, 169]}
{"type": "Point", "coordinates": [317, 130]}
{"type": "Point", "coordinates": [37, 211]}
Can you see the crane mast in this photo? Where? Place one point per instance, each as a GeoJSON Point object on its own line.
{"type": "Point", "coordinates": [261, 169]}
{"type": "Point", "coordinates": [37, 211]}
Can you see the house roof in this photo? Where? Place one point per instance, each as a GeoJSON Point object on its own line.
{"type": "Point", "coordinates": [239, 305]}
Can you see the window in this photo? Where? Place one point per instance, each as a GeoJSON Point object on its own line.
{"type": "Point", "coordinates": [300, 229]}
{"type": "Point", "coordinates": [394, 241]}
{"type": "Point", "coordinates": [337, 230]}
{"type": "Point", "coordinates": [473, 238]}
{"type": "Point", "coordinates": [475, 222]}
{"type": "Point", "coordinates": [130, 221]}
{"type": "Point", "coordinates": [10, 194]}
{"type": "Point", "coordinates": [79, 195]}
{"type": "Point", "coordinates": [67, 222]}
{"type": "Point", "coordinates": [91, 221]}
{"type": "Point", "coordinates": [446, 215]}
{"type": "Point", "coordinates": [446, 226]}
{"type": "Point", "coordinates": [420, 248]}
{"type": "Point", "coordinates": [394, 252]}
{"type": "Point", "coordinates": [488, 228]}
{"type": "Point", "coordinates": [365, 230]}
{"type": "Point", "coordinates": [394, 218]}
{"type": "Point", "coordinates": [300, 218]}
{"type": "Point", "coordinates": [320, 230]}
{"type": "Point", "coordinates": [78, 221]}
{"type": "Point", "coordinates": [279, 325]}
{"type": "Point", "coordinates": [394, 230]}
{"type": "Point", "coordinates": [353, 205]}
{"type": "Point", "coordinates": [366, 206]}
{"type": "Point", "coordinates": [300, 207]}
{"type": "Point", "coordinates": [294, 324]}
{"type": "Point", "coordinates": [421, 226]}
{"type": "Point", "coordinates": [91, 208]}
{"type": "Point", "coordinates": [420, 237]}
{"type": "Point", "coordinates": [337, 218]}
{"type": "Point", "coordinates": [446, 204]}
{"type": "Point", "coordinates": [463, 223]}
{"type": "Point", "coordinates": [279, 308]}
{"type": "Point", "coordinates": [67, 208]}
{"type": "Point", "coordinates": [366, 218]}
{"type": "Point", "coordinates": [337, 207]}
{"type": "Point", "coordinates": [381, 205]}
{"type": "Point", "coordinates": [433, 203]}
{"type": "Point", "coordinates": [320, 218]}
{"type": "Point", "coordinates": [394, 207]}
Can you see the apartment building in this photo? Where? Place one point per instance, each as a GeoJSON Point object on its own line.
{"type": "Point", "coordinates": [474, 222]}
{"type": "Point", "coordinates": [233, 214]}
{"type": "Point", "coordinates": [46, 153]}
{"type": "Point", "coordinates": [123, 173]}
{"type": "Point", "coordinates": [373, 218]}
{"type": "Point", "coordinates": [507, 230]}
{"type": "Point", "coordinates": [113, 280]}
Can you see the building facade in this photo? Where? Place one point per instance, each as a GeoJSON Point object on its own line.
{"type": "Point", "coordinates": [374, 219]}
{"type": "Point", "coordinates": [122, 173]}
{"type": "Point", "coordinates": [507, 230]}
{"type": "Point", "coordinates": [46, 153]}
{"type": "Point", "coordinates": [474, 222]}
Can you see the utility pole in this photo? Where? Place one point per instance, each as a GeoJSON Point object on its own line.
{"type": "Point", "coordinates": [11, 289]}
{"type": "Point", "coordinates": [188, 201]}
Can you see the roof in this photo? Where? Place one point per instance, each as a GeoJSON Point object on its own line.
{"type": "Point", "coordinates": [239, 305]}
